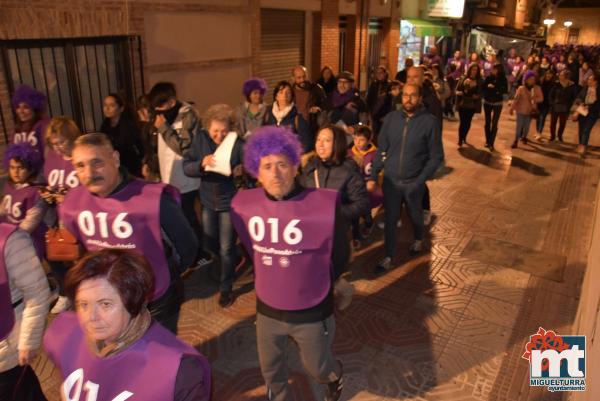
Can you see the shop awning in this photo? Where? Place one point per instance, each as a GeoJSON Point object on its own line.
{"type": "Point", "coordinates": [430, 28]}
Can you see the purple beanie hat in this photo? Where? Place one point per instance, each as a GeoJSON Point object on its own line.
{"type": "Point", "coordinates": [26, 154]}
{"type": "Point", "coordinates": [528, 75]}
{"type": "Point", "coordinates": [254, 84]}
{"type": "Point", "coordinates": [26, 94]}
{"type": "Point", "coordinates": [270, 140]}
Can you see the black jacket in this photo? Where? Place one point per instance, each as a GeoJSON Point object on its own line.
{"type": "Point", "coordinates": [430, 100]}
{"type": "Point", "coordinates": [346, 178]}
{"type": "Point", "coordinates": [216, 190]}
{"type": "Point", "coordinates": [470, 97]}
{"type": "Point", "coordinates": [561, 98]}
{"type": "Point", "coordinates": [126, 139]}
{"type": "Point", "coordinates": [294, 122]}
{"type": "Point", "coordinates": [340, 256]}
{"type": "Point", "coordinates": [495, 94]}
{"type": "Point", "coordinates": [594, 108]}
{"type": "Point", "coordinates": [409, 149]}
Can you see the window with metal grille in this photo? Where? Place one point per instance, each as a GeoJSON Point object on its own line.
{"type": "Point", "coordinates": [76, 73]}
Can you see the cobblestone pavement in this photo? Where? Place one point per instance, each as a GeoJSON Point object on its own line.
{"type": "Point", "coordinates": [507, 254]}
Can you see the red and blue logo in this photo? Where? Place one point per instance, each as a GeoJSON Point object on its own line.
{"type": "Point", "coordinates": [556, 362]}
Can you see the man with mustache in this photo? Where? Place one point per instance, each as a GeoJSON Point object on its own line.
{"type": "Point", "coordinates": [115, 210]}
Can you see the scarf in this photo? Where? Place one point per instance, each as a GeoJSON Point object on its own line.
{"type": "Point", "coordinates": [136, 328]}
{"type": "Point", "coordinates": [340, 99]}
{"type": "Point", "coordinates": [280, 114]}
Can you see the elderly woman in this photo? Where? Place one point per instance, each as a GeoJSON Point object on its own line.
{"type": "Point", "coordinates": [110, 344]}
{"type": "Point", "coordinates": [250, 114]}
{"type": "Point", "coordinates": [283, 113]}
{"type": "Point", "coordinates": [23, 308]}
{"type": "Point", "coordinates": [29, 106]}
{"type": "Point", "coordinates": [217, 187]}
{"type": "Point", "coordinates": [331, 168]}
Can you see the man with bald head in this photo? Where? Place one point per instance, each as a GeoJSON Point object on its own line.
{"type": "Point", "coordinates": [410, 149]}
{"type": "Point", "coordinates": [309, 97]}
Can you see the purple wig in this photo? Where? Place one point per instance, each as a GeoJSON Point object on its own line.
{"type": "Point", "coordinates": [528, 75]}
{"type": "Point", "coordinates": [26, 154]}
{"type": "Point", "coordinates": [33, 98]}
{"type": "Point", "coordinates": [254, 84]}
{"type": "Point", "coordinates": [270, 140]}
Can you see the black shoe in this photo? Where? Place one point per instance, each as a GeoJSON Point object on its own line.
{"type": "Point", "coordinates": [334, 389]}
{"type": "Point", "coordinates": [226, 299]}
{"type": "Point", "coordinates": [384, 265]}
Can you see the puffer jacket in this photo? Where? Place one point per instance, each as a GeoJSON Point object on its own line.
{"type": "Point", "coordinates": [346, 178]}
{"type": "Point", "coordinates": [27, 281]}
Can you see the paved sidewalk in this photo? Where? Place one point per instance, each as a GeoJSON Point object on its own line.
{"type": "Point", "coordinates": [507, 255]}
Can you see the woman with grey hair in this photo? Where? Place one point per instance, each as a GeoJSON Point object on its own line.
{"type": "Point", "coordinates": [216, 157]}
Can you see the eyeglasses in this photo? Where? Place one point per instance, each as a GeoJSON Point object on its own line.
{"type": "Point", "coordinates": [410, 95]}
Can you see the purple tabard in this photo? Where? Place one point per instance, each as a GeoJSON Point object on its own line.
{"type": "Point", "coordinates": [59, 172]}
{"type": "Point", "coordinates": [146, 370]}
{"type": "Point", "coordinates": [365, 162]}
{"type": "Point", "coordinates": [290, 243]}
{"type": "Point", "coordinates": [16, 203]}
{"type": "Point", "coordinates": [128, 219]}
{"type": "Point", "coordinates": [460, 67]}
{"type": "Point", "coordinates": [6, 310]}
{"type": "Point", "coordinates": [487, 68]}
{"type": "Point", "coordinates": [34, 136]}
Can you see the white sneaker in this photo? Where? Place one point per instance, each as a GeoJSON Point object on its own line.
{"type": "Point", "coordinates": [427, 217]}
{"type": "Point", "coordinates": [381, 224]}
{"type": "Point", "coordinates": [416, 247]}
{"type": "Point", "coordinates": [61, 305]}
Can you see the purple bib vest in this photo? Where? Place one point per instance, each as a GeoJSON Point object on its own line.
{"type": "Point", "coordinates": [6, 310]}
{"type": "Point", "coordinates": [128, 219]}
{"type": "Point", "coordinates": [290, 244]}
{"type": "Point", "coordinates": [460, 67]}
{"type": "Point", "coordinates": [366, 164]}
{"type": "Point", "coordinates": [35, 136]}
{"type": "Point", "coordinates": [59, 172]}
{"type": "Point", "coordinates": [16, 203]}
{"type": "Point", "coordinates": [145, 371]}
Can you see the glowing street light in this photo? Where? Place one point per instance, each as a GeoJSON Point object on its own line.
{"type": "Point", "coordinates": [549, 22]}
{"type": "Point", "coordinates": [568, 24]}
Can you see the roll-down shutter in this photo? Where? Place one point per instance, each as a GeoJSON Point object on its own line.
{"type": "Point", "coordinates": [281, 45]}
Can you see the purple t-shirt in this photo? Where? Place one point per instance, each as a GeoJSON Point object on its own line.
{"type": "Point", "coordinates": [58, 172]}
{"type": "Point", "coordinates": [33, 136]}
{"type": "Point", "coordinates": [146, 370]}
{"type": "Point", "coordinates": [290, 243]}
{"type": "Point", "coordinates": [128, 219]}
{"type": "Point", "coordinates": [6, 310]}
{"type": "Point", "coordinates": [16, 203]}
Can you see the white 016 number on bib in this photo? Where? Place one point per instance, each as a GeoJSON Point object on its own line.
{"type": "Point", "coordinates": [292, 235]}
{"type": "Point", "coordinates": [26, 137]}
{"type": "Point", "coordinates": [119, 226]}
{"type": "Point", "coordinates": [73, 385]}
{"type": "Point", "coordinates": [57, 178]}
{"type": "Point", "coordinates": [9, 208]}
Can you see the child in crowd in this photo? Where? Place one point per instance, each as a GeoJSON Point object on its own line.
{"type": "Point", "coordinates": [22, 204]}
{"type": "Point", "coordinates": [363, 152]}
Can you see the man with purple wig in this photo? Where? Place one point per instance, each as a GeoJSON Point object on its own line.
{"type": "Point", "coordinates": [298, 242]}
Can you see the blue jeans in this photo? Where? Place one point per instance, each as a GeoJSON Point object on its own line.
{"type": "Point", "coordinates": [539, 123]}
{"type": "Point", "coordinates": [586, 123]}
{"type": "Point", "coordinates": [523, 123]}
{"type": "Point", "coordinates": [220, 240]}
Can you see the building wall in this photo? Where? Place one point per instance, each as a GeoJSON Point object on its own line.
{"type": "Point", "coordinates": [586, 19]}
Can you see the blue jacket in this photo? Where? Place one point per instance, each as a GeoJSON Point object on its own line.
{"type": "Point", "coordinates": [216, 190]}
{"type": "Point", "coordinates": [409, 148]}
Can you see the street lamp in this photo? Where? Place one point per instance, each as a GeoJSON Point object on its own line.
{"type": "Point", "coordinates": [548, 22]}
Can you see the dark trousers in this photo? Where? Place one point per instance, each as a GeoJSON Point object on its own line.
{"type": "Point", "coordinates": [562, 122]}
{"type": "Point", "coordinates": [165, 309]}
{"type": "Point", "coordinates": [20, 384]}
{"type": "Point", "coordinates": [586, 123]}
{"type": "Point", "coordinates": [466, 116]}
{"type": "Point", "coordinates": [188, 200]}
{"type": "Point", "coordinates": [541, 120]}
{"type": "Point", "coordinates": [492, 115]}
{"type": "Point", "coordinates": [220, 240]}
{"type": "Point", "coordinates": [59, 271]}
{"type": "Point", "coordinates": [394, 196]}
{"type": "Point", "coordinates": [426, 200]}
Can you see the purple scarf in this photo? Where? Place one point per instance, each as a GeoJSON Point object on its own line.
{"type": "Point", "coordinates": [338, 99]}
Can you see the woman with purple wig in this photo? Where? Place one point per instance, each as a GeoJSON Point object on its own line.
{"type": "Point", "coordinates": [250, 114]}
{"type": "Point", "coordinates": [22, 204]}
{"type": "Point", "coordinates": [29, 106]}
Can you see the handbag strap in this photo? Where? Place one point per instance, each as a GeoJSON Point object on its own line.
{"type": "Point", "coordinates": [316, 175]}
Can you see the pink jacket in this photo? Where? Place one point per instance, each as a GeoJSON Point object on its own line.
{"type": "Point", "coordinates": [526, 100]}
